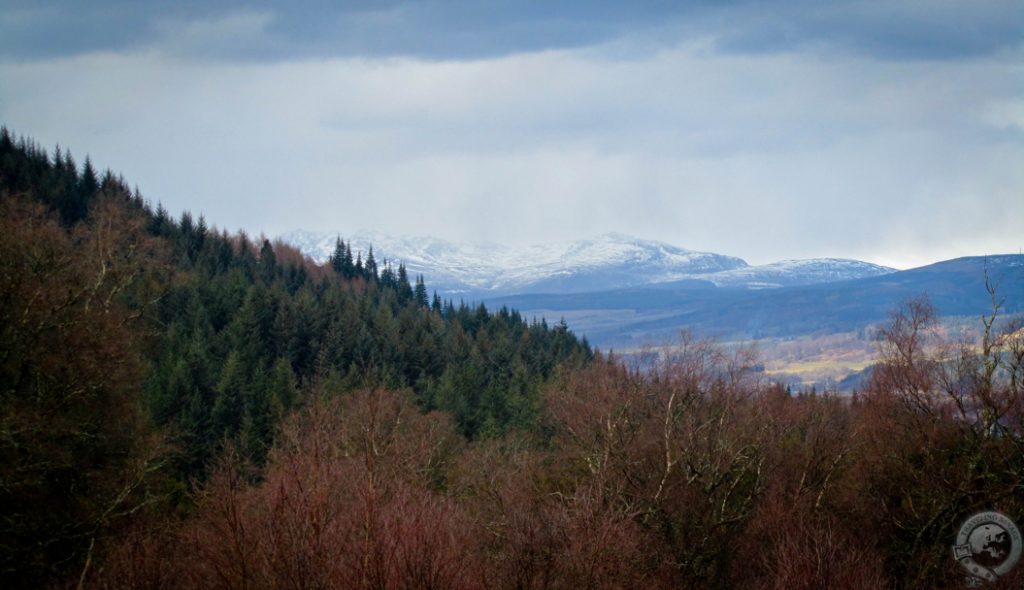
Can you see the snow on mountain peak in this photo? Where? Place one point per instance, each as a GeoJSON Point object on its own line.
{"type": "Point", "coordinates": [786, 273]}
{"type": "Point", "coordinates": [608, 261]}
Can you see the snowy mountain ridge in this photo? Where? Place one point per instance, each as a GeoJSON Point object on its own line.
{"type": "Point", "coordinates": [787, 273]}
{"type": "Point", "coordinates": [609, 261]}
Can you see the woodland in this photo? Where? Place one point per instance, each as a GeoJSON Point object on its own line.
{"type": "Point", "coordinates": [183, 407]}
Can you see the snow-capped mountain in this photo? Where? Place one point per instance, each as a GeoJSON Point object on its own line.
{"type": "Point", "coordinates": [610, 261]}
{"type": "Point", "coordinates": [792, 273]}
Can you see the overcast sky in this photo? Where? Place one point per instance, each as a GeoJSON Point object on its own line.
{"type": "Point", "coordinates": [890, 131]}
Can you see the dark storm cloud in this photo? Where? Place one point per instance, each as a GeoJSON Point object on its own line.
{"type": "Point", "coordinates": [429, 29]}
{"type": "Point", "coordinates": [934, 29]}
{"type": "Point", "coordinates": [455, 29]}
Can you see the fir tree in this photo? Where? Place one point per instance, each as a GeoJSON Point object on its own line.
{"type": "Point", "coordinates": [370, 267]}
{"type": "Point", "coordinates": [229, 405]}
{"type": "Point", "coordinates": [348, 267]}
{"type": "Point", "coordinates": [337, 260]}
{"type": "Point", "coordinates": [268, 262]}
{"type": "Point", "coordinates": [404, 288]}
{"type": "Point", "coordinates": [421, 293]}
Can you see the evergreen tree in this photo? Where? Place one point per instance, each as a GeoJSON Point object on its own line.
{"type": "Point", "coordinates": [229, 405]}
{"type": "Point", "coordinates": [337, 259]}
{"type": "Point", "coordinates": [371, 265]}
{"type": "Point", "coordinates": [404, 288]}
{"type": "Point", "coordinates": [84, 193]}
{"type": "Point", "coordinates": [348, 265]}
{"type": "Point", "coordinates": [267, 263]}
{"type": "Point", "coordinates": [421, 293]}
{"type": "Point", "coordinates": [387, 277]}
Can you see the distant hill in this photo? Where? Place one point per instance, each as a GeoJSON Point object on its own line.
{"type": "Point", "coordinates": [631, 317]}
{"type": "Point", "coordinates": [607, 262]}
{"type": "Point", "coordinates": [792, 273]}
{"type": "Point", "coordinates": [622, 292]}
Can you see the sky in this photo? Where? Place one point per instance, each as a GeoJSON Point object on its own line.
{"type": "Point", "coordinates": [888, 131]}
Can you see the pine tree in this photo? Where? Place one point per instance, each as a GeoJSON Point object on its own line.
{"type": "Point", "coordinates": [160, 222]}
{"type": "Point", "coordinates": [268, 262]}
{"type": "Point", "coordinates": [404, 288]}
{"type": "Point", "coordinates": [186, 230]}
{"type": "Point", "coordinates": [348, 267]}
{"type": "Point", "coordinates": [337, 260]}
{"type": "Point", "coordinates": [85, 192]}
{"type": "Point", "coordinates": [421, 293]}
{"type": "Point", "coordinates": [387, 278]}
{"type": "Point", "coordinates": [281, 386]}
{"type": "Point", "coordinates": [245, 259]}
{"type": "Point", "coordinates": [199, 237]}
{"type": "Point", "coordinates": [229, 405]}
{"type": "Point", "coordinates": [371, 266]}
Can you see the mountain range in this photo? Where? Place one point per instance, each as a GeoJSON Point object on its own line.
{"type": "Point", "coordinates": [624, 292]}
{"type": "Point", "coordinates": [806, 334]}
{"type": "Point", "coordinates": [606, 262]}
{"type": "Point", "coordinates": [631, 317]}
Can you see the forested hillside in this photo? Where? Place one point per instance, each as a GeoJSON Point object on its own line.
{"type": "Point", "coordinates": [216, 336]}
{"type": "Point", "coordinates": [182, 408]}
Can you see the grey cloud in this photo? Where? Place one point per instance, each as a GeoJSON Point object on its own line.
{"type": "Point", "coordinates": [778, 131]}
{"type": "Point", "coordinates": [898, 29]}
{"type": "Point", "coordinates": [434, 29]}
{"type": "Point", "coordinates": [762, 156]}
{"type": "Point", "coordinates": [466, 29]}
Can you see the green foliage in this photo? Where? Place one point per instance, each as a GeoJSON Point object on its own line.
{"type": "Point", "coordinates": [248, 325]}
{"type": "Point", "coordinates": [691, 473]}
{"type": "Point", "coordinates": [214, 338]}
